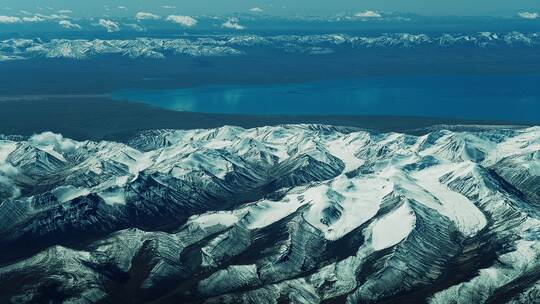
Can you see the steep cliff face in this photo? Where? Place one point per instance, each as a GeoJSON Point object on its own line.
{"type": "Point", "coordinates": [295, 213]}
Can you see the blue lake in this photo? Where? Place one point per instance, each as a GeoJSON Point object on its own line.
{"type": "Point", "coordinates": [491, 97]}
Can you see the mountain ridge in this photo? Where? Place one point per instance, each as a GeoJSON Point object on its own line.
{"type": "Point", "coordinates": [239, 45]}
{"type": "Point", "coordinates": [297, 213]}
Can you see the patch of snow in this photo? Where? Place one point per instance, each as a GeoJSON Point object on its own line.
{"type": "Point", "coordinates": [467, 217]}
{"type": "Point", "coordinates": [267, 212]}
{"type": "Point", "coordinates": [512, 265]}
{"type": "Point", "coordinates": [214, 164]}
{"type": "Point", "coordinates": [526, 141]}
{"type": "Point", "coordinates": [224, 218]}
{"type": "Point", "coordinates": [113, 196]}
{"type": "Point", "coordinates": [393, 227]}
{"type": "Point", "coordinates": [359, 201]}
{"type": "Point", "coordinates": [342, 148]}
{"type": "Point", "coordinates": [67, 193]}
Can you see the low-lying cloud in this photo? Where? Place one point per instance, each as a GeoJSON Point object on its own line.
{"type": "Point", "coordinates": [66, 24]}
{"type": "Point", "coordinates": [109, 25]}
{"type": "Point", "coordinates": [53, 16]}
{"type": "Point", "coordinates": [146, 16]}
{"type": "Point", "coordinates": [9, 20]}
{"type": "Point", "coordinates": [529, 15]}
{"type": "Point", "coordinates": [53, 140]}
{"type": "Point", "coordinates": [33, 19]}
{"type": "Point", "coordinates": [368, 14]}
{"type": "Point", "coordinates": [184, 21]}
{"type": "Point", "coordinates": [8, 188]}
{"type": "Point", "coordinates": [233, 24]}
{"type": "Point", "coordinates": [135, 27]}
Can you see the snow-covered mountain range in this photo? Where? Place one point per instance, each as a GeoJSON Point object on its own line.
{"type": "Point", "coordinates": [294, 213]}
{"type": "Point", "coordinates": [234, 45]}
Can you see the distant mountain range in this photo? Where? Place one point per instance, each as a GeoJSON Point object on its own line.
{"type": "Point", "coordinates": [293, 213]}
{"type": "Point", "coordinates": [236, 45]}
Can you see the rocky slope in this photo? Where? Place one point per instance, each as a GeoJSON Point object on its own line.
{"type": "Point", "coordinates": [289, 214]}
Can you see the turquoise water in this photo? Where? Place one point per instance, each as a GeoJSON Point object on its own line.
{"type": "Point", "coordinates": [493, 97]}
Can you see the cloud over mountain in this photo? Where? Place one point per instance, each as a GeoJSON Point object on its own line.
{"type": "Point", "coordinates": [233, 24]}
{"type": "Point", "coordinates": [528, 15]}
{"type": "Point", "coordinates": [68, 24]}
{"type": "Point", "coordinates": [368, 14]}
{"type": "Point", "coordinates": [109, 25]}
{"type": "Point", "coordinates": [185, 21]}
{"type": "Point", "coordinates": [9, 19]}
{"type": "Point", "coordinates": [33, 19]}
{"type": "Point", "coordinates": [146, 16]}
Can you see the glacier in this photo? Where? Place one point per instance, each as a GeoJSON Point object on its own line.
{"type": "Point", "coordinates": [290, 213]}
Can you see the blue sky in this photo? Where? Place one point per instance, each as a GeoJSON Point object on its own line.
{"type": "Point", "coordinates": [277, 7]}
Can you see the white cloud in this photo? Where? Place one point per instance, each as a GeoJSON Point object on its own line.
{"type": "Point", "coordinates": [25, 12]}
{"type": "Point", "coordinates": [7, 169]}
{"type": "Point", "coordinates": [65, 11]}
{"type": "Point", "coordinates": [124, 8]}
{"type": "Point", "coordinates": [233, 23]}
{"type": "Point", "coordinates": [9, 20]}
{"type": "Point", "coordinates": [146, 16]}
{"type": "Point", "coordinates": [53, 16]}
{"type": "Point", "coordinates": [368, 14]}
{"type": "Point", "coordinates": [67, 193]}
{"type": "Point", "coordinates": [33, 19]}
{"type": "Point", "coordinates": [168, 6]}
{"type": "Point", "coordinates": [185, 21]}
{"type": "Point", "coordinates": [6, 147]}
{"type": "Point", "coordinates": [68, 25]}
{"type": "Point", "coordinates": [256, 10]}
{"type": "Point", "coordinates": [8, 189]}
{"type": "Point", "coordinates": [52, 140]}
{"type": "Point", "coordinates": [111, 26]}
{"type": "Point", "coordinates": [135, 27]}
{"type": "Point", "coordinates": [529, 15]}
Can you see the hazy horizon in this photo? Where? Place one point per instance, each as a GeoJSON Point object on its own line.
{"type": "Point", "coordinates": [276, 7]}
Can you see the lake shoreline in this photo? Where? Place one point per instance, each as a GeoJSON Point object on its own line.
{"type": "Point", "coordinates": [99, 118]}
{"type": "Point", "coordinates": [495, 97]}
